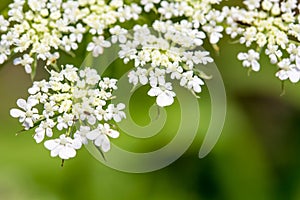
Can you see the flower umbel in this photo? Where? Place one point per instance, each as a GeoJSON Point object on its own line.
{"type": "Point", "coordinates": [68, 104]}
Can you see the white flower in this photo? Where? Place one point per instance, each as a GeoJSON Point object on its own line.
{"type": "Point", "coordinates": [234, 30]}
{"type": "Point", "coordinates": [214, 33]}
{"type": "Point", "coordinates": [294, 51]}
{"type": "Point", "coordinates": [202, 57]}
{"type": "Point", "coordinates": [97, 45]}
{"type": "Point", "coordinates": [81, 134]}
{"type": "Point", "coordinates": [4, 52]}
{"type": "Point", "coordinates": [288, 71]}
{"type": "Point", "coordinates": [149, 4]}
{"type": "Point", "coordinates": [39, 86]}
{"type": "Point", "coordinates": [87, 113]}
{"type": "Point", "coordinates": [108, 83]}
{"type": "Point", "coordinates": [116, 111]}
{"type": "Point", "coordinates": [118, 34]}
{"type": "Point", "coordinates": [28, 115]}
{"type": "Point", "coordinates": [138, 76]}
{"type": "Point", "coordinates": [77, 33]}
{"type": "Point", "coordinates": [3, 24]}
{"type": "Point", "coordinates": [166, 9]}
{"type": "Point", "coordinates": [100, 136]}
{"type": "Point", "coordinates": [157, 77]}
{"type": "Point", "coordinates": [64, 147]}
{"type": "Point", "coordinates": [26, 61]}
{"type": "Point", "coordinates": [274, 53]}
{"type": "Point", "coordinates": [252, 4]}
{"type": "Point", "coordinates": [44, 128]}
{"type": "Point", "coordinates": [91, 76]}
{"type": "Point", "coordinates": [250, 59]}
{"type": "Point", "coordinates": [69, 43]}
{"type": "Point", "coordinates": [65, 121]}
{"type": "Point", "coordinates": [249, 36]}
{"type": "Point", "coordinates": [165, 95]}
{"type": "Point", "coordinates": [190, 81]}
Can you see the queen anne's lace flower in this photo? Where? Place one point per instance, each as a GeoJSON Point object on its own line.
{"type": "Point", "coordinates": [250, 59]}
{"type": "Point", "coordinates": [169, 54]}
{"type": "Point", "coordinates": [77, 103]}
{"type": "Point", "coordinates": [163, 92]}
{"type": "Point", "coordinates": [41, 28]}
{"type": "Point", "coordinates": [64, 147]}
{"type": "Point", "coordinates": [100, 136]}
{"type": "Point", "coordinates": [270, 26]}
{"type": "Point", "coordinates": [72, 99]}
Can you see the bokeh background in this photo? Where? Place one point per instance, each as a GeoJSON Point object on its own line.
{"type": "Point", "coordinates": [256, 157]}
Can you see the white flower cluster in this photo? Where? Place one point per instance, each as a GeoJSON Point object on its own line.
{"type": "Point", "coordinates": [201, 13]}
{"type": "Point", "coordinates": [171, 51]}
{"type": "Point", "coordinates": [39, 29]}
{"type": "Point", "coordinates": [269, 26]}
{"type": "Point", "coordinates": [76, 104]}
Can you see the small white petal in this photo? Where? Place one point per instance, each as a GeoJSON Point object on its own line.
{"type": "Point", "coordinates": [22, 103]}
{"type": "Point", "coordinates": [93, 134]}
{"type": "Point", "coordinates": [113, 134]}
{"type": "Point", "coordinates": [105, 144]}
{"type": "Point", "coordinates": [50, 144]}
{"type": "Point", "coordinates": [16, 113]}
{"type": "Point", "coordinates": [67, 152]}
{"type": "Point", "coordinates": [294, 76]}
{"type": "Point", "coordinates": [255, 66]}
{"type": "Point", "coordinates": [164, 100]}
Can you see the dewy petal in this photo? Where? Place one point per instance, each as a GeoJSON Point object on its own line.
{"type": "Point", "coordinates": [164, 100]}
{"type": "Point", "coordinates": [16, 113]}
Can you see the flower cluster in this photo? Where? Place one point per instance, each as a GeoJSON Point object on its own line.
{"type": "Point", "coordinates": [269, 26]}
{"type": "Point", "coordinates": [76, 104]}
{"type": "Point", "coordinates": [39, 29]}
{"type": "Point", "coordinates": [170, 51]}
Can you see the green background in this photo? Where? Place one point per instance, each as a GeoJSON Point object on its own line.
{"type": "Point", "coordinates": [256, 157]}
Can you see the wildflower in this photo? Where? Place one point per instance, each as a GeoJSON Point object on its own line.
{"type": "Point", "coordinates": [64, 147]}
{"type": "Point", "coordinates": [250, 59]}
{"type": "Point", "coordinates": [164, 94]}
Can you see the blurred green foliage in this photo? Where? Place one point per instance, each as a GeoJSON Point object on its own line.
{"type": "Point", "coordinates": [255, 158]}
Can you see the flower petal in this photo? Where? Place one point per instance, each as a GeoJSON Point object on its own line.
{"type": "Point", "coordinates": [16, 113]}
{"type": "Point", "coordinates": [51, 144]}
{"type": "Point", "coordinates": [93, 134]}
{"type": "Point", "coordinates": [67, 152]}
{"type": "Point", "coordinates": [164, 100]}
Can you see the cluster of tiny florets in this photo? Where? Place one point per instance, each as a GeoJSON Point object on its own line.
{"type": "Point", "coordinates": [170, 52]}
{"type": "Point", "coordinates": [270, 27]}
{"type": "Point", "coordinates": [39, 30]}
{"type": "Point", "coordinates": [77, 103]}
{"type": "Point", "coordinates": [74, 103]}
